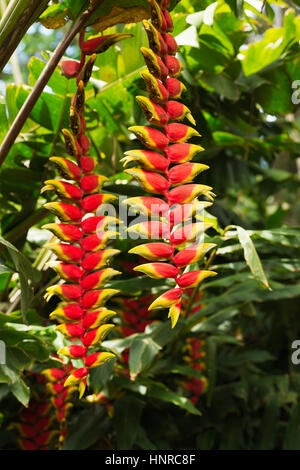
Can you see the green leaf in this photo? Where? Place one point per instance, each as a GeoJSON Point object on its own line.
{"type": "Point", "coordinates": [251, 257]}
{"type": "Point", "coordinates": [142, 352]}
{"type": "Point", "coordinates": [161, 392]}
{"type": "Point", "coordinates": [25, 271]}
{"type": "Point", "coordinates": [47, 109]}
{"type": "Point", "coordinates": [127, 415]}
{"type": "Point", "coordinates": [21, 391]}
{"type": "Point", "coordinates": [263, 53]}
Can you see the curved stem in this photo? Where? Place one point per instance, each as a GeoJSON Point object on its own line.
{"type": "Point", "coordinates": [42, 82]}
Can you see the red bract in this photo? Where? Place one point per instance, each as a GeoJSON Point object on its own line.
{"type": "Point", "coordinates": [86, 236]}
{"type": "Point", "coordinates": [43, 424]}
{"type": "Point", "coordinates": [166, 165]}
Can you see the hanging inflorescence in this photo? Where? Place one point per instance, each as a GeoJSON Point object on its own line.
{"type": "Point", "coordinates": [166, 170]}
{"type": "Point", "coordinates": [82, 251]}
{"type": "Point", "coordinates": [43, 425]}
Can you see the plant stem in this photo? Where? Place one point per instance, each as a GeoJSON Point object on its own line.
{"type": "Point", "coordinates": [42, 82]}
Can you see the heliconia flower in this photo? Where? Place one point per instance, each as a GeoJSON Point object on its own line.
{"type": "Point", "coordinates": [184, 173]}
{"type": "Point", "coordinates": [153, 229]}
{"type": "Point", "coordinates": [74, 351]}
{"type": "Point", "coordinates": [98, 223]}
{"type": "Point", "coordinates": [76, 376]}
{"type": "Point", "coordinates": [151, 138]}
{"type": "Point", "coordinates": [158, 270]}
{"type": "Point", "coordinates": [65, 232]}
{"type": "Point", "coordinates": [66, 252]}
{"type": "Point", "coordinates": [67, 271]}
{"type": "Point", "coordinates": [76, 122]}
{"type": "Point", "coordinates": [84, 143]}
{"type": "Point", "coordinates": [178, 111]}
{"type": "Point", "coordinates": [156, 90]}
{"type": "Point", "coordinates": [87, 236]}
{"type": "Point", "coordinates": [64, 291]}
{"type": "Point", "coordinates": [150, 181]}
{"type": "Point", "coordinates": [92, 203]}
{"type": "Point", "coordinates": [67, 169]}
{"type": "Point", "coordinates": [65, 212]}
{"type": "Point", "coordinates": [153, 251]}
{"type": "Point", "coordinates": [97, 241]}
{"type": "Point", "coordinates": [154, 113]}
{"type": "Point", "coordinates": [180, 132]}
{"type": "Point", "coordinates": [181, 153]}
{"type": "Point", "coordinates": [54, 374]}
{"type": "Point", "coordinates": [187, 193]}
{"type": "Point", "coordinates": [147, 158]}
{"type": "Point", "coordinates": [87, 164]}
{"type": "Point", "coordinates": [98, 260]}
{"type": "Point", "coordinates": [92, 183]}
{"type": "Point", "coordinates": [188, 233]}
{"type": "Point", "coordinates": [100, 44]}
{"type": "Point", "coordinates": [183, 212]}
{"type": "Point", "coordinates": [72, 146]}
{"type": "Point", "coordinates": [96, 359]}
{"type": "Point", "coordinates": [70, 68]}
{"type": "Point", "coordinates": [192, 254]}
{"type": "Point", "coordinates": [157, 16]}
{"type": "Point", "coordinates": [87, 69]}
{"type": "Point", "coordinates": [71, 312]}
{"type": "Point", "coordinates": [168, 19]}
{"type": "Point", "coordinates": [174, 312]}
{"type": "Point", "coordinates": [156, 41]}
{"type": "Point", "coordinates": [77, 101]}
{"type": "Point", "coordinates": [70, 330]}
{"type": "Point", "coordinates": [170, 42]}
{"type": "Point", "coordinates": [97, 298]}
{"type": "Point", "coordinates": [167, 299]}
{"type": "Point", "coordinates": [193, 278]}
{"type": "Point", "coordinates": [93, 337]}
{"type": "Point", "coordinates": [174, 87]}
{"type": "Point", "coordinates": [94, 319]}
{"type": "Point", "coordinates": [154, 63]}
{"type": "Point", "coordinates": [182, 202]}
{"type": "Point", "coordinates": [174, 65]}
{"type": "Point", "coordinates": [148, 205]}
{"type": "Point", "coordinates": [98, 278]}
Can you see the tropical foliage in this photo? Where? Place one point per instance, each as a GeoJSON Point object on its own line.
{"type": "Point", "coordinates": [222, 377]}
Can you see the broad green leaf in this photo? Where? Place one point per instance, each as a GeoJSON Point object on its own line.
{"type": "Point", "coordinates": [161, 392]}
{"type": "Point", "coordinates": [25, 271]}
{"type": "Point", "coordinates": [142, 352]}
{"type": "Point", "coordinates": [251, 256]}
{"type": "Point", "coordinates": [263, 53]}
{"type": "Point", "coordinates": [21, 391]}
{"type": "Point", "coordinates": [47, 109]}
{"type": "Point", "coordinates": [128, 410]}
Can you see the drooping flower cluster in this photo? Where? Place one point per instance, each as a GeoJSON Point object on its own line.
{"type": "Point", "coordinates": [195, 354]}
{"type": "Point", "coordinates": [166, 170]}
{"type": "Point", "coordinates": [60, 396]}
{"type": "Point", "coordinates": [194, 349]}
{"type": "Point", "coordinates": [136, 316]}
{"type": "Point", "coordinates": [83, 236]}
{"type": "Point", "coordinates": [42, 425]}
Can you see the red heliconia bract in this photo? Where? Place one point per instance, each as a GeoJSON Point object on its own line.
{"type": "Point", "coordinates": [43, 424]}
{"type": "Point", "coordinates": [167, 144]}
{"type": "Point", "coordinates": [84, 236]}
